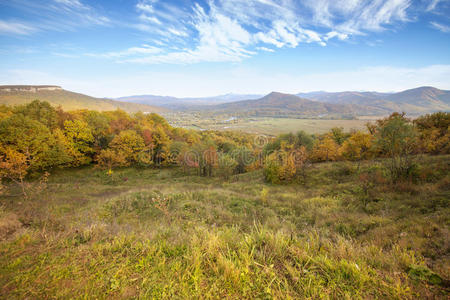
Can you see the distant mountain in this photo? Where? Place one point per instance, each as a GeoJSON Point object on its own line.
{"type": "Point", "coordinates": [414, 101]}
{"type": "Point", "coordinates": [184, 103]}
{"type": "Point", "coordinates": [424, 98]}
{"type": "Point", "coordinates": [56, 96]}
{"type": "Point", "coordinates": [279, 105]}
{"type": "Point", "coordinates": [161, 101]}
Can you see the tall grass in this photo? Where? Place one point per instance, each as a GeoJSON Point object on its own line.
{"type": "Point", "coordinates": [163, 234]}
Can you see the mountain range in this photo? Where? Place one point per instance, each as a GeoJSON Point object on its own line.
{"type": "Point", "coordinates": [285, 105]}
{"type": "Point", "coordinates": [414, 101]}
{"type": "Point", "coordinates": [314, 104]}
{"type": "Point", "coordinates": [183, 103]}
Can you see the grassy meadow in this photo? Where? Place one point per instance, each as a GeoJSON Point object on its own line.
{"type": "Point", "coordinates": [164, 234]}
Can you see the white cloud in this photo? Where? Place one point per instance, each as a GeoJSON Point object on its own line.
{"type": "Point", "coordinates": [177, 32]}
{"type": "Point", "coordinates": [265, 49]}
{"type": "Point", "coordinates": [8, 27]}
{"type": "Point", "coordinates": [333, 34]}
{"type": "Point", "coordinates": [441, 27]}
{"type": "Point", "coordinates": [228, 30]}
{"type": "Point", "coordinates": [145, 7]}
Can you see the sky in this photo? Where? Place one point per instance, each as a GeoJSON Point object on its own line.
{"type": "Point", "coordinates": [184, 48]}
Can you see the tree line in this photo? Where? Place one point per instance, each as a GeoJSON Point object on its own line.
{"type": "Point", "coordinates": [396, 139]}
{"type": "Point", "coordinates": [36, 138]}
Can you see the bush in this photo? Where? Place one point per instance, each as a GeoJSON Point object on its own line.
{"type": "Point", "coordinates": [226, 166]}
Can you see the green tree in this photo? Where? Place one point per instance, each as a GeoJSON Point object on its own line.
{"type": "Point", "coordinates": [40, 111]}
{"type": "Point", "coordinates": [338, 135]}
{"type": "Point", "coordinates": [34, 140]}
{"type": "Point", "coordinates": [81, 140]}
{"type": "Point", "coordinates": [244, 157]}
{"type": "Point", "coordinates": [99, 125]}
{"type": "Point", "coordinates": [397, 139]}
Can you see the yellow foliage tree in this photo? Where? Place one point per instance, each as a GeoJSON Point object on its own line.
{"type": "Point", "coordinates": [325, 149]}
{"type": "Point", "coordinates": [161, 146]}
{"type": "Point", "coordinates": [128, 144]}
{"type": "Point", "coordinates": [358, 146]}
{"type": "Point", "coordinates": [109, 159]}
{"type": "Point", "coordinates": [80, 139]}
{"type": "Point", "coordinates": [14, 166]}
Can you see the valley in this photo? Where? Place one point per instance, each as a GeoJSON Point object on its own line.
{"type": "Point", "coordinates": [267, 126]}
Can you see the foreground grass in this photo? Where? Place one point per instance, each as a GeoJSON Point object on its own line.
{"type": "Point", "coordinates": [147, 233]}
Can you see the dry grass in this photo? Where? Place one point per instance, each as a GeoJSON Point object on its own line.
{"type": "Point", "coordinates": [165, 234]}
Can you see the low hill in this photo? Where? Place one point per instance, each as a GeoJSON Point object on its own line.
{"type": "Point", "coordinates": [414, 101]}
{"type": "Point", "coordinates": [56, 96]}
{"type": "Point", "coordinates": [281, 105]}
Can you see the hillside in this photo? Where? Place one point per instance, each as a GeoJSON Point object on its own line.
{"type": "Point", "coordinates": [414, 101]}
{"type": "Point", "coordinates": [116, 206]}
{"type": "Point", "coordinates": [96, 239]}
{"type": "Point", "coordinates": [281, 105]}
{"type": "Point", "coordinates": [56, 96]}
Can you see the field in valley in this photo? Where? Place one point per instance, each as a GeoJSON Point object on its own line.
{"type": "Point", "coordinates": [275, 126]}
{"type": "Point", "coordinates": [162, 233]}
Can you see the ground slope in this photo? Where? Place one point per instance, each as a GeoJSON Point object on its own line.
{"type": "Point", "coordinates": [164, 234]}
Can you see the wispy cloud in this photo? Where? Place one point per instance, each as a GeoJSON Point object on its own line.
{"type": "Point", "coordinates": [72, 3]}
{"type": "Point", "coordinates": [441, 27]}
{"type": "Point", "coordinates": [231, 30]}
{"type": "Point", "coordinates": [133, 51]}
{"type": "Point", "coordinates": [65, 55]}
{"type": "Point", "coordinates": [225, 30]}
{"type": "Point", "coordinates": [11, 27]}
{"type": "Point", "coordinates": [52, 15]}
{"type": "Point", "coordinates": [265, 49]}
{"type": "Point", "coordinates": [433, 4]}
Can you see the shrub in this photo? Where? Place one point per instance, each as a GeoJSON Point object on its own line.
{"type": "Point", "coordinates": [226, 166]}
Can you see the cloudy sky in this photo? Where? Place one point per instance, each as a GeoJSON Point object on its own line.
{"type": "Point", "coordinates": [114, 48]}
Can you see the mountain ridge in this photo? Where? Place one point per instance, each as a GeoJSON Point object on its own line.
{"type": "Point", "coordinates": [57, 96]}
{"type": "Point", "coordinates": [284, 105]}
{"type": "Point", "coordinates": [184, 102]}
{"type": "Point", "coordinates": [424, 99]}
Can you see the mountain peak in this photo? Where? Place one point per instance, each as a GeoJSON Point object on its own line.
{"type": "Point", "coordinates": [277, 94]}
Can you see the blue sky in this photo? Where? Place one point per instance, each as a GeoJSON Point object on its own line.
{"type": "Point", "coordinates": [114, 48]}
